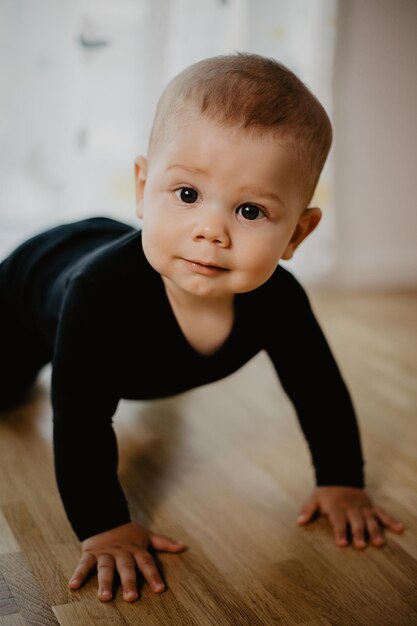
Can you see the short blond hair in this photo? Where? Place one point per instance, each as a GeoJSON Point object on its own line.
{"type": "Point", "coordinates": [253, 93]}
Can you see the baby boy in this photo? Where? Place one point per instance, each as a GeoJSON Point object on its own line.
{"type": "Point", "coordinates": [236, 149]}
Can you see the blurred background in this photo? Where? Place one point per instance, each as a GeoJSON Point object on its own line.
{"type": "Point", "coordinates": [81, 79]}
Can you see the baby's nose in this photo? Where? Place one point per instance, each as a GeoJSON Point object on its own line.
{"type": "Point", "coordinates": [211, 225]}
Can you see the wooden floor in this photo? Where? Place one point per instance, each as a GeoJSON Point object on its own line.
{"type": "Point", "coordinates": [225, 469]}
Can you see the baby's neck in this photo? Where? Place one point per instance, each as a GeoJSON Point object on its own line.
{"type": "Point", "coordinates": [206, 323]}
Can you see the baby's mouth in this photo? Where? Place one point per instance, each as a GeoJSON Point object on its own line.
{"type": "Point", "coordinates": [213, 267]}
{"type": "Point", "coordinates": [217, 267]}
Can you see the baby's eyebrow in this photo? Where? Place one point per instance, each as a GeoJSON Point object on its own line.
{"type": "Point", "coordinates": [257, 191]}
{"type": "Point", "coordinates": [262, 193]}
{"type": "Point", "coordinates": [187, 167]}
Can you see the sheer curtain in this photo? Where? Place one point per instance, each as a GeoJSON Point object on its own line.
{"type": "Point", "coordinates": [81, 82]}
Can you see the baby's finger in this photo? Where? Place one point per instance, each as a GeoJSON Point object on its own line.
{"type": "Point", "coordinates": [357, 527]}
{"type": "Point", "coordinates": [338, 521]}
{"type": "Point", "coordinates": [388, 521]}
{"type": "Point", "coordinates": [126, 566]}
{"type": "Point", "coordinates": [105, 571]}
{"type": "Point", "coordinates": [148, 568]}
{"type": "Point", "coordinates": [374, 530]}
{"type": "Point", "coordinates": [86, 563]}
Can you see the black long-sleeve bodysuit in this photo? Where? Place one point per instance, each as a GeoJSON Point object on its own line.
{"type": "Point", "coordinates": [83, 296]}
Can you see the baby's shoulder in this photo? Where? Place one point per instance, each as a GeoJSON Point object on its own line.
{"type": "Point", "coordinates": [114, 280]}
{"type": "Point", "coordinates": [282, 284]}
{"type": "Point", "coordinates": [282, 298]}
{"type": "Point", "coordinates": [113, 266]}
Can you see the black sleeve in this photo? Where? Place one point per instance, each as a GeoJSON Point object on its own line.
{"type": "Point", "coordinates": [311, 378]}
{"type": "Point", "coordinates": [84, 400]}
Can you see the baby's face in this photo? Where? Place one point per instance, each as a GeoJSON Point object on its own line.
{"type": "Point", "coordinates": [219, 209]}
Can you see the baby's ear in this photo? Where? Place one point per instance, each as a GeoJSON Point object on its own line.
{"type": "Point", "coordinates": [305, 225]}
{"type": "Point", "coordinates": [140, 180]}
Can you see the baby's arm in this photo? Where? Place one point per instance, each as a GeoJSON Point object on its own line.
{"type": "Point", "coordinates": [311, 378]}
{"type": "Point", "coordinates": [84, 399]}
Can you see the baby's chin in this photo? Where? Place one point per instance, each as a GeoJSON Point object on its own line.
{"type": "Point", "coordinates": [198, 287]}
{"type": "Point", "coordinates": [208, 287]}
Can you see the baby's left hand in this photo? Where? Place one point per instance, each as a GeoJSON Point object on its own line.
{"type": "Point", "coordinates": [349, 505]}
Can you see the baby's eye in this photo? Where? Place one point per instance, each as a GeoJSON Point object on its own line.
{"type": "Point", "coordinates": [250, 211]}
{"type": "Point", "coordinates": [187, 195]}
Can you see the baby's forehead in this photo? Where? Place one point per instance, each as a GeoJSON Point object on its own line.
{"type": "Point", "coordinates": [267, 156]}
{"type": "Point", "coordinates": [196, 123]}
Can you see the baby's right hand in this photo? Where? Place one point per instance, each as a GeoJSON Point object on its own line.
{"type": "Point", "coordinates": [121, 548]}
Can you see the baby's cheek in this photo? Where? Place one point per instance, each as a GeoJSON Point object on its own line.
{"type": "Point", "coordinates": [248, 279]}
{"type": "Point", "coordinates": [159, 248]}
{"type": "Point", "coordinates": [152, 246]}
{"type": "Point", "coordinates": [260, 264]}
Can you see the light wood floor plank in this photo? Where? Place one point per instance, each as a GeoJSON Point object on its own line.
{"type": "Point", "coordinates": [8, 542]}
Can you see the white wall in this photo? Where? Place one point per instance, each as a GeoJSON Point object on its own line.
{"type": "Point", "coordinates": [72, 113]}
{"type": "Point", "coordinates": [375, 149]}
